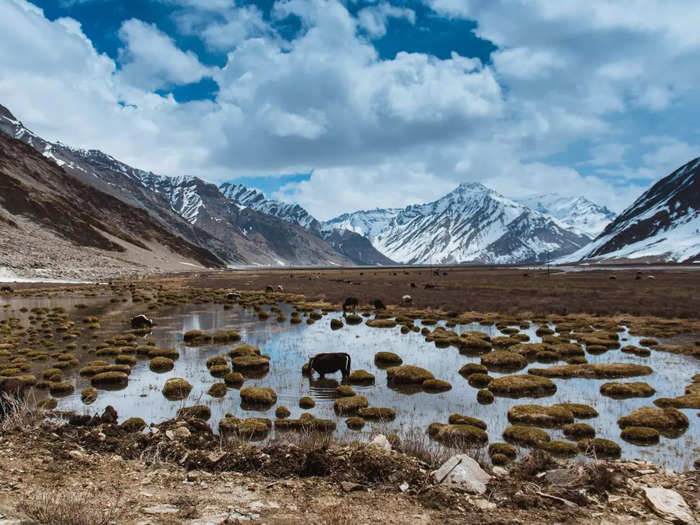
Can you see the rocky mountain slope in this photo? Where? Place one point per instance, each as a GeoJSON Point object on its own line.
{"type": "Point", "coordinates": [351, 244]}
{"type": "Point", "coordinates": [471, 224]}
{"type": "Point", "coordinates": [189, 207]}
{"type": "Point", "coordinates": [261, 238]}
{"type": "Point", "coordinates": [662, 225]}
{"type": "Point", "coordinates": [578, 213]}
{"type": "Point", "coordinates": [48, 217]}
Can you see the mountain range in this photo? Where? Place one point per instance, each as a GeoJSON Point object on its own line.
{"type": "Point", "coordinates": [187, 220]}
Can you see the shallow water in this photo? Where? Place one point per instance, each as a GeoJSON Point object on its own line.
{"type": "Point", "coordinates": [290, 346]}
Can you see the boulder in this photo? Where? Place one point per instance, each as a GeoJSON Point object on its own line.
{"type": "Point", "coordinates": [668, 504]}
{"type": "Point", "coordinates": [462, 472]}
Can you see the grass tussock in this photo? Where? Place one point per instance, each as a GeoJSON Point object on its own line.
{"type": "Point", "coordinates": [18, 413]}
{"type": "Point", "coordinates": [67, 507]}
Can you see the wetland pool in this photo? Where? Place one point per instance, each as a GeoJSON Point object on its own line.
{"type": "Point", "coordinates": [289, 346]}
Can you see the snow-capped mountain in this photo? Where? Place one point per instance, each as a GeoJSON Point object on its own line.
{"type": "Point", "coordinates": [577, 213]}
{"type": "Point", "coordinates": [351, 244]}
{"type": "Point", "coordinates": [662, 225]}
{"type": "Point", "coordinates": [369, 223]}
{"type": "Point", "coordinates": [471, 224]}
{"type": "Point", "coordinates": [252, 198]}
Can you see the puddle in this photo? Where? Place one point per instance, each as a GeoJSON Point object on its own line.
{"type": "Point", "coordinates": [290, 346]}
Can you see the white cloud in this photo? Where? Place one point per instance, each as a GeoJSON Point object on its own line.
{"type": "Point", "coordinates": [151, 60]}
{"type": "Point", "coordinates": [375, 132]}
{"type": "Point", "coordinates": [374, 19]}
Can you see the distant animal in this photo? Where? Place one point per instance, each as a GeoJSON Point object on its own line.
{"type": "Point", "coordinates": [651, 277]}
{"type": "Point", "coordinates": [269, 289]}
{"type": "Point", "coordinates": [379, 305]}
{"type": "Point", "coordinates": [233, 296]}
{"type": "Point", "coordinates": [328, 363]}
{"type": "Point", "coordinates": [429, 286]}
{"type": "Point", "coordinates": [141, 321]}
{"type": "Point", "coordinates": [613, 278]}
{"type": "Point", "coordinates": [413, 285]}
{"type": "Point", "coordinates": [280, 288]}
{"type": "Point", "coordinates": [6, 289]}
{"type": "Point", "coordinates": [407, 299]}
{"type": "Point", "coordinates": [350, 304]}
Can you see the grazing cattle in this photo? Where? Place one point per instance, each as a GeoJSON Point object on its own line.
{"type": "Point", "coordinates": [140, 322]}
{"type": "Point", "coordinates": [407, 299]}
{"type": "Point", "coordinates": [379, 305]}
{"type": "Point", "coordinates": [413, 285]}
{"type": "Point", "coordinates": [280, 288]}
{"type": "Point", "coordinates": [269, 289]}
{"type": "Point", "coordinates": [350, 304]}
{"type": "Point", "coordinates": [6, 289]}
{"type": "Point", "coordinates": [233, 296]}
{"type": "Point", "coordinates": [329, 363]}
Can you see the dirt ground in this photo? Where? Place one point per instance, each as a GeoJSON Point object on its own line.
{"type": "Point", "coordinates": [672, 292]}
{"type": "Point", "coordinates": [55, 473]}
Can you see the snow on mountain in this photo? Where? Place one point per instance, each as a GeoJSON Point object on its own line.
{"type": "Point", "coordinates": [471, 224]}
{"type": "Point", "coordinates": [256, 200]}
{"type": "Point", "coordinates": [577, 213]}
{"type": "Point", "coordinates": [369, 223]}
{"type": "Point", "coordinates": [662, 225]}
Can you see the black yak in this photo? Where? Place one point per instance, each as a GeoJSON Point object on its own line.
{"type": "Point", "coordinates": [329, 363]}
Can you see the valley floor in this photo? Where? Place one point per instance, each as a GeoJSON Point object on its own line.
{"type": "Point", "coordinates": [669, 292]}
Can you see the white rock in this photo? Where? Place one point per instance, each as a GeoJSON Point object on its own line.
{"type": "Point", "coordinates": [500, 472]}
{"type": "Point", "coordinates": [462, 472]}
{"type": "Point", "coordinates": [669, 504]}
{"type": "Point", "coordinates": [161, 509]}
{"type": "Point", "coordinates": [404, 486]}
{"type": "Point", "coordinates": [381, 441]}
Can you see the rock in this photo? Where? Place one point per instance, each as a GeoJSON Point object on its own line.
{"type": "Point", "coordinates": [668, 504]}
{"type": "Point", "coordinates": [158, 510]}
{"type": "Point", "coordinates": [349, 486]}
{"type": "Point", "coordinates": [499, 472]}
{"type": "Point", "coordinates": [462, 472]}
{"type": "Point", "coordinates": [403, 487]}
{"type": "Point", "coordinates": [381, 441]}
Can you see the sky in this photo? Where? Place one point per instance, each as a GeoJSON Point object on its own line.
{"type": "Point", "coordinates": [342, 105]}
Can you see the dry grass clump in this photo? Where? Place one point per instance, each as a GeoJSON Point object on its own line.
{"type": "Point", "coordinates": [258, 396]}
{"type": "Point", "coordinates": [640, 435]}
{"type": "Point", "coordinates": [525, 436]}
{"type": "Point", "coordinates": [627, 390]}
{"type": "Point", "coordinates": [386, 359]}
{"type": "Point", "coordinates": [669, 421]}
{"type": "Point", "coordinates": [254, 428]}
{"type": "Point", "coordinates": [593, 371]}
{"type": "Point", "coordinates": [176, 389]}
{"type": "Point", "coordinates": [579, 410]}
{"type": "Point", "coordinates": [601, 448]}
{"type": "Point", "coordinates": [361, 377]}
{"type": "Point", "coordinates": [408, 375]}
{"type": "Point", "coordinates": [522, 385]}
{"type": "Point", "coordinates": [68, 507]}
{"type": "Point", "coordinates": [686, 401]}
{"type": "Point", "coordinates": [457, 435]}
{"type": "Point", "coordinates": [377, 413]}
{"type": "Point", "coordinates": [538, 415]}
{"type": "Point", "coordinates": [504, 361]}
{"type": "Point", "coordinates": [349, 405]}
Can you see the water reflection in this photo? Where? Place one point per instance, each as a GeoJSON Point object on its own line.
{"type": "Point", "coordinates": [289, 346]}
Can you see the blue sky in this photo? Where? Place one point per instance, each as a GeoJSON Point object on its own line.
{"type": "Point", "coordinates": [348, 104]}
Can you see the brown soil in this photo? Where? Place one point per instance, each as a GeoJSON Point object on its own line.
{"type": "Point", "coordinates": [151, 478]}
{"type": "Point", "coordinates": [673, 293]}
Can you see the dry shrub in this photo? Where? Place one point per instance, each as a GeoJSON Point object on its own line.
{"type": "Point", "coordinates": [67, 507]}
{"type": "Point", "coordinates": [18, 413]}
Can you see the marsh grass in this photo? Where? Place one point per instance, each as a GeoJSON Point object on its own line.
{"type": "Point", "coordinates": [18, 413]}
{"type": "Point", "coordinates": [67, 507]}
